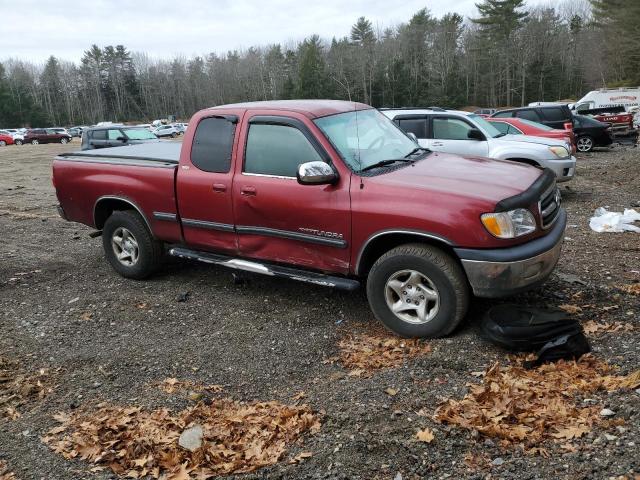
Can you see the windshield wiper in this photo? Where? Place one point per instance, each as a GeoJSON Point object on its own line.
{"type": "Point", "coordinates": [416, 150]}
{"type": "Point", "coordinates": [384, 163]}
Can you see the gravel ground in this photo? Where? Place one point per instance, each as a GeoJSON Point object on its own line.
{"type": "Point", "coordinates": [108, 338]}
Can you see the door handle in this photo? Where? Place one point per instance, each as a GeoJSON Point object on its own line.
{"type": "Point", "coordinates": [219, 187]}
{"type": "Point", "coordinates": [248, 191]}
{"type": "Point", "coordinates": [437, 144]}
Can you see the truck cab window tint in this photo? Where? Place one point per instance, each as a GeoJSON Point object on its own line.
{"type": "Point", "coordinates": [417, 126]}
{"type": "Point", "coordinates": [528, 115]}
{"type": "Point", "coordinates": [115, 134]}
{"type": "Point", "coordinates": [212, 145]}
{"type": "Point", "coordinates": [450, 129]}
{"type": "Point", "coordinates": [99, 135]}
{"type": "Point", "coordinates": [277, 150]}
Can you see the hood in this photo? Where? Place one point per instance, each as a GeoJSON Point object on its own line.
{"type": "Point", "coordinates": [529, 139]}
{"type": "Point", "coordinates": [477, 178]}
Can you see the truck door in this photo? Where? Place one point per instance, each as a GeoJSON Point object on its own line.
{"type": "Point", "coordinates": [203, 185]}
{"type": "Point", "coordinates": [451, 135]}
{"type": "Point", "coordinates": [278, 219]}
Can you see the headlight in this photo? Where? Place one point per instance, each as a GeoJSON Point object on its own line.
{"type": "Point", "coordinates": [511, 224]}
{"type": "Point", "coordinates": [559, 152]}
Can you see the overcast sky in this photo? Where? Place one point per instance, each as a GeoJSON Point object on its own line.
{"type": "Point", "coordinates": [34, 29]}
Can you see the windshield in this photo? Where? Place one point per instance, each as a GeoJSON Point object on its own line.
{"type": "Point", "coordinates": [365, 137]}
{"type": "Point", "coordinates": [139, 134]}
{"type": "Point", "coordinates": [485, 126]}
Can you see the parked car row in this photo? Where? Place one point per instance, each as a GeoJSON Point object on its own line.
{"type": "Point", "coordinates": [34, 136]}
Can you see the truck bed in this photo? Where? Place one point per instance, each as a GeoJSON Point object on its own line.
{"type": "Point", "coordinates": [162, 152]}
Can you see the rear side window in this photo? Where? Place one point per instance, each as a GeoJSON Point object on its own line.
{"type": "Point", "coordinates": [417, 126]}
{"type": "Point", "coordinates": [99, 135]}
{"type": "Point", "coordinates": [212, 145]}
{"type": "Point", "coordinates": [555, 114]}
{"type": "Point", "coordinates": [502, 115]}
{"type": "Point", "coordinates": [528, 115]}
{"type": "Point", "coordinates": [277, 150]}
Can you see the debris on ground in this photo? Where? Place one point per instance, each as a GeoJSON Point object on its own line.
{"type": "Point", "coordinates": [605, 221]}
{"type": "Point", "coordinates": [17, 389]}
{"type": "Point", "coordinates": [524, 406]}
{"type": "Point", "coordinates": [363, 353]}
{"type": "Point", "coordinates": [5, 474]}
{"type": "Point", "coordinates": [173, 385]}
{"type": "Point", "coordinates": [593, 327]}
{"type": "Point", "coordinates": [223, 438]}
{"type": "Point", "coordinates": [633, 289]}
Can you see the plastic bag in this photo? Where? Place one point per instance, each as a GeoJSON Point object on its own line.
{"type": "Point", "coordinates": [605, 221]}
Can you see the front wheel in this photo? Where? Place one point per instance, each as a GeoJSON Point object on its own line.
{"type": "Point", "coordinates": [418, 290]}
{"type": "Point", "coordinates": [34, 142]}
{"type": "Point", "coordinates": [174, 135]}
{"type": "Point", "coordinates": [63, 140]}
{"type": "Point", "coordinates": [584, 143]}
{"type": "Point", "coordinates": [18, 142]}
{"type": "Point", "coordinates": [129, 246]}
{"type": "Point", "coordinates": [3, 143]}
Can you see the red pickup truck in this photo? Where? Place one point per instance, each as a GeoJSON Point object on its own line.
{"type": "Point", "coordinates": [326, 192]}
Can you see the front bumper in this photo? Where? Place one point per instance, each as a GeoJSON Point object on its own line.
{"type": "Point", "coordinates": [506, 271]}
{"type": "Point", "coordinates": [564, 169]}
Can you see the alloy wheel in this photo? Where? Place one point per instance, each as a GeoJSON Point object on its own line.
{"type": "Point", "coordinates": [125, 246]}
{"type": "Point", "coordinates": [412, 296]}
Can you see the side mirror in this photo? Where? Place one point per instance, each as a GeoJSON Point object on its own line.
{"type": "Point", "coordinates": [475, 134]}
{"type": "Point", "coordinates": [122, 139]}
{"type": "Point", "coordinates": [316, 173]}
{"type": "Point", "coordinates": [412, 136]}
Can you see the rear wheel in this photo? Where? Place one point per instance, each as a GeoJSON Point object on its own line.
{"type": "Point", "coordinates": [129, 246]}
{"type": "Point", "coordinates": [418, 290]}
{"type": "Point", "coordinates": [34, 142]}
{"type": "Point", "coordinates": [584, 143]}
{"type": "Point", "coordinates": [18, 142]}
{"type": "Point", "coordinates": [174, 135]}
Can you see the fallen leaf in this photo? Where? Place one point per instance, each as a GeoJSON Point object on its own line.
{"type": "Point", "coordinates": [425, 435]}
{"type": "Point", "coordinates": [570, 309]}
{"type": "Point", "coordinates": [391, 391]}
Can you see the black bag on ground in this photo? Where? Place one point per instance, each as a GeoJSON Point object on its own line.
{"type": "Point", "coordinates": [530, 329]}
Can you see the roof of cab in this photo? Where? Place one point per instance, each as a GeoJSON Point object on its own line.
{"type": "Point", "coordinates": [310, 108]}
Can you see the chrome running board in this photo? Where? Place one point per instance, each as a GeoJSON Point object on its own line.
{"type": "Point", "coordinates": [266, 269]}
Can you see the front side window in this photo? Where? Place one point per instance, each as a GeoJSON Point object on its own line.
{"type": "Point", "coordinates": [139, 134]}
{"type": "Point", "coordinates": [277, 150]}
{"type": "Point", "coordinates": [114, 134]}
{"type": "Point", "coordinates": [365, 137]}
{"type": "Point", "coordinates": [213, 144]}
{"type": "Point", "coordinates": [528, 115]}
{"type": "Point", "coordinates": [450, 129]}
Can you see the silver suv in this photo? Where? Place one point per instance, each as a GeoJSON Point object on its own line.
{"type": "Point", "coordinates": [464, 133]}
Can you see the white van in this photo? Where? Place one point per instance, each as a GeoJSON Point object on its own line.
{"type": "Point", "coordinates": [608, 97]}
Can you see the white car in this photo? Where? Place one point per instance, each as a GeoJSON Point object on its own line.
{"type": "Point", "coordinates": [18, 138]}
{"type": "Point", "coordinates": [165, 131]}
{"type": "Point", "coordinates": [468, 134]}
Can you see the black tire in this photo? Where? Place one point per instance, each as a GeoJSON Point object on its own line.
{"type": "Point", "coordinates": [440, 269]}
{"type": "Point", "coordinates": [18, 142]}
{"type": "Point", "coordinates": [3, 143]}
{"type": "Point", "coordinates": [64, 140]}
{"type": "Point", "coordinates": [149, 250]}
{"type": "Point", "coordinates": [584, 143]}
{"type": "Point", "coordinates": [174, 135]}
{"type": "Point", "coordinates": [35, 141]}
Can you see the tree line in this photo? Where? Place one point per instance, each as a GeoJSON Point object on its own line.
{"type": "Point", "coordinates": [508, 54]}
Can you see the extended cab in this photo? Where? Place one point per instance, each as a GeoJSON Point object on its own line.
{"type": "Point", "coordinates": [327, 192]}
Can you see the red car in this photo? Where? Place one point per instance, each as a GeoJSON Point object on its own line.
{"type": "Point", "coordinates": [521, 126]}
{"type": "Point", "coordinates": [45, 135]}
{"type": "Point", "coordinates": [327, 192]}
{"type": "Point", "coordinates": [5, 139]}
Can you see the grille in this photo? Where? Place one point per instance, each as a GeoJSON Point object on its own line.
{"type": "Point", "coordinates": [550, 205]}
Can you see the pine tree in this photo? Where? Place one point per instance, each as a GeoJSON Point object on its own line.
{"type": "Point", "coordinates": [312, 75]}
